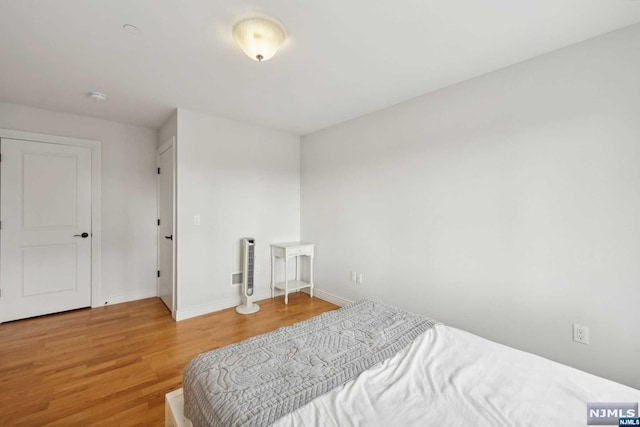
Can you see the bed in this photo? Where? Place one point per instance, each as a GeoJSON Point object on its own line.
{"type": "Point", "coordinates": [371, 364]}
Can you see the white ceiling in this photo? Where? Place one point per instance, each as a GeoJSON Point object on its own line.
{"type": "Point", "coordinates": [342, 59]}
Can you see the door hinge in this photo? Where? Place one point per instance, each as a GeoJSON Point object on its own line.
{"type": "Point", "coordinates": [158, 171]}
{"type": "Point", "coordinates": [158, 222]}
{"type": "Point", "coordinates": [158, 273]}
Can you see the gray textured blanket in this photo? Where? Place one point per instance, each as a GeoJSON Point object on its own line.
{"type": "Point", "coordinates": [259, 380]}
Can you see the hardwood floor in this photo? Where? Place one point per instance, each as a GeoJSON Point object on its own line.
{"type": "Point", "coordinates": [111, 366]}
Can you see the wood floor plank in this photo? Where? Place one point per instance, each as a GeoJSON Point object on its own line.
{"type": "Point", "coordinates": [112, 366]}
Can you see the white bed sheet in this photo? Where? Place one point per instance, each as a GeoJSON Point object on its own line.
{"type": "Point", "coordinates": [448, 377]}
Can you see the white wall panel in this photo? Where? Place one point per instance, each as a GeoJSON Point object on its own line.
{"type": "Point", "coordinates": [242, 181]}
{"type": "Point", "coordinates": [507, 205]}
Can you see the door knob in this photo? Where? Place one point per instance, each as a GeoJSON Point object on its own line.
{"type": "Point", "coordinates": [83, 235]}
{"type": "Point", "coordinates": [169, 237]}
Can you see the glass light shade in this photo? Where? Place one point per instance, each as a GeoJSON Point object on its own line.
{"type": "Point", "coordinates": [259, 38]}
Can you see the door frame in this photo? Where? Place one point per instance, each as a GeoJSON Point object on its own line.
{"type": "Point", "coordinates": [96, 197]}
{"type": "Point", "coordinates": [169, 144]}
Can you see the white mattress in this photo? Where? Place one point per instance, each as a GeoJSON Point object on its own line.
{"type": "Point", "coordinates": [449, 377]}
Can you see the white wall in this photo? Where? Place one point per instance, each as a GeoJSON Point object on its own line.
{"type": "Point", "coordinates": [168, 129]}
{"type": "Point", "coordinates": [243, 181]}
{"type": "Point", "coordinates": [507, 205]}
{"type": "Point", "coordinates": [128, 194]}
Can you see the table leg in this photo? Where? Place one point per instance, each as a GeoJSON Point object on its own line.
{"type": "Point", "coordinates": [286, 283]}
{"type": "Point", "coordinates": [273, 277]}
{"type": "Point", "coordinates": [297, 271]}
{"type": "Point", "coordinates": [311, 274]}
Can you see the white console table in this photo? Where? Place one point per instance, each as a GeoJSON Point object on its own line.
{"type": "Point", "coordinates": [286, 251]}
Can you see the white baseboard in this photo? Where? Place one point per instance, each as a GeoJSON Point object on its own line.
{"type": "Point", "coordinates": [188, 313]}
{"type": "Point", "coordinates": [329, 297]}
{"type": "Point", "coordinates": [128, 297]}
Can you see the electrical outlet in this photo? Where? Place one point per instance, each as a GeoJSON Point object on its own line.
{"type": "Point", "coordinates": [359, 278]}
{"type": "Point", "coordinates": [354, 276]}
{"type": "Point", "coordinates": [581, 333]}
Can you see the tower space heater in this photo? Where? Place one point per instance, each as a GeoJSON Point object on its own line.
{"type": "Point", "coordinates": [248, 256]}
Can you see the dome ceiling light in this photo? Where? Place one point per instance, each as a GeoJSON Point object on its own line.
{"type": "Point", "coordinates": [259, 37]}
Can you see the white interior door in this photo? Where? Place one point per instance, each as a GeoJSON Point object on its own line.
{"type": "Point", "coordinates": [45, 208]}
{"type": "Point", "coordinates": [166, 236]}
